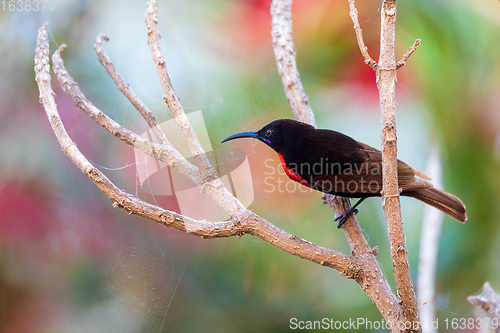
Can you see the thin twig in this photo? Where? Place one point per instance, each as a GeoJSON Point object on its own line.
{"type": "Point", "coordinates": [284, 52]}
{"type": "Point", "coordinates": [386, 82]}
{"type": "Point", "coordinates": [407, 55]}
{"type": "Point", "coordinates": [353, 12]}
{"type": "Point", "coordinates": [125, 89]}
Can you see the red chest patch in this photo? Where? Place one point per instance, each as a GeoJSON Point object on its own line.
{"type": "Point", "coordinates": [291, 174]}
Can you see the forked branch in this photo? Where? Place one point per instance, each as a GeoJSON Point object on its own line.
{"type": "Point", "coordinates": [245, 222]}
{"type": "Point", "coordinates": [165, 153]}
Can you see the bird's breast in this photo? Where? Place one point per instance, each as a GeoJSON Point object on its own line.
{"type": "Point", "coordinates": [291, 173]}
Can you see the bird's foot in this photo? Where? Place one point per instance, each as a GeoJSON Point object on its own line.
{"type": "Point", "coordinates": [342, 218]}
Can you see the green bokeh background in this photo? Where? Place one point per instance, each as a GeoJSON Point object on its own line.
{"type": "Point", "coordinates": [63, 248]}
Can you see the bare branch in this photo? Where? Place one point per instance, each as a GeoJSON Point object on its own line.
{"type": "Point", "coordinates": [127, 91]}
{"type": "Point", "coordinates": [386, 82]}
{"type": "Point", "coordinates": [284, 52]}
{"type": "Point", "coordinates": [128, 202]}
{"type": "Point", "coordinates": [361, 266]}
{"type": "Point", "coordinates": [407, 55]}
{"type": "Point", "coordinates": [297, 246]}
{"type": "Point", "coordinates": [165, 153]}
{"type": "Point", "coordinates": [489, 301]}
{"type": "Point", "coordinates": [359, 36]}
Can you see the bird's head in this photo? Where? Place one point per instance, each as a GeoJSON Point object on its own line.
{"type": "Point", "coordinates": [273, 134]}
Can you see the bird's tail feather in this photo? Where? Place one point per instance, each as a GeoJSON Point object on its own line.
{"type": "Point", "coordinates": [445, 202]}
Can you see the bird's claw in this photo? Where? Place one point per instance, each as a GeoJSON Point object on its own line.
{"type": "Point", "coordinates": [342, 218]}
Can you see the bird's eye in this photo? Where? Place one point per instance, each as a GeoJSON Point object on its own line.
{"type": "Point", "coordinates": [268, 133]}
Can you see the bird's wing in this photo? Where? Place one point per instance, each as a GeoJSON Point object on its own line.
{"type": "Point", "coordinates": [366, 177]}
{"type": "Point", "coordinates": [404, 168]}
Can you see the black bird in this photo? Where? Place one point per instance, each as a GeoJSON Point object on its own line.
{"type": "Point", "coordinates": [331, 162]}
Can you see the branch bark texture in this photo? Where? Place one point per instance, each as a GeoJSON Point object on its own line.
{"type": "Point", "coordinates": [386, 82]}
{"type": "Point", "coordinates": [125, 89]}
{"type": "Point", "coordinates": [284, 52]}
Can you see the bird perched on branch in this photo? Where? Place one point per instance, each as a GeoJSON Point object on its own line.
{"type": "Point", "coordinates": [334, 163]}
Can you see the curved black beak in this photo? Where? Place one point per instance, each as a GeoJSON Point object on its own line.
{"type": "Point", "coordinates": [240, 135]}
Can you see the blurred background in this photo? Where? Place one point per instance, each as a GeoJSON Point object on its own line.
{"type": "Point", "coordinates": [69, 262]}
